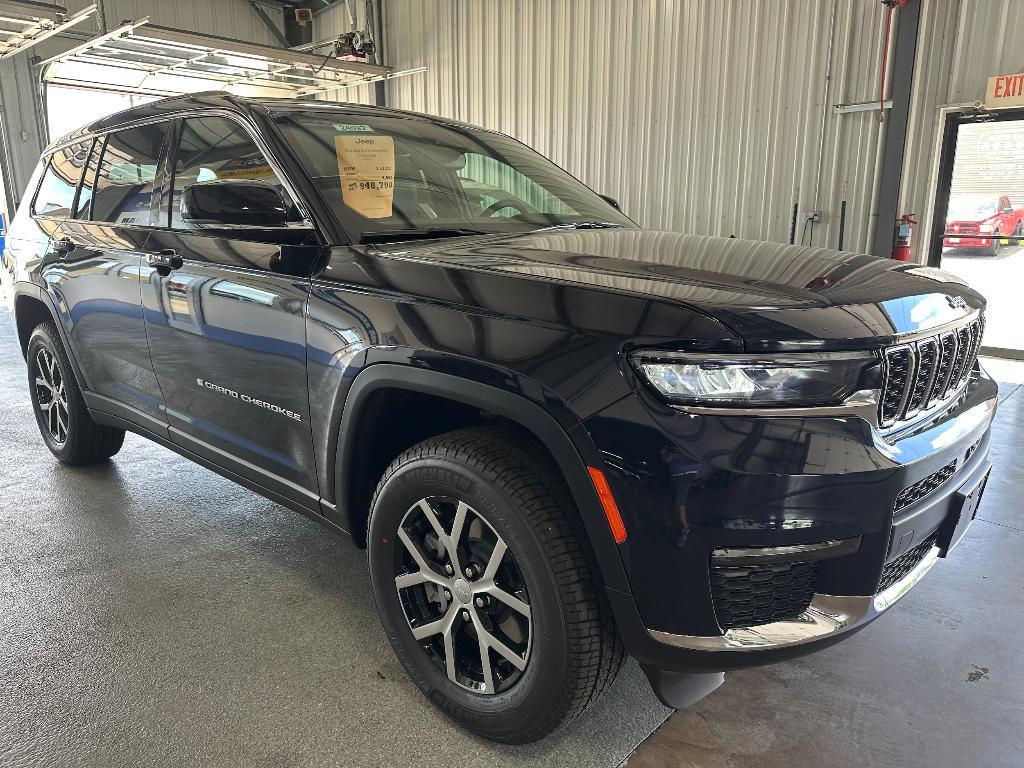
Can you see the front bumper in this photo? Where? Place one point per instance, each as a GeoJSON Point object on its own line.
{"type": "Point", "coordinates": [691, 485]}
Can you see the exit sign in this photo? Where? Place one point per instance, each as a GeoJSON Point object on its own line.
{"type": "Point", "coordinates": [1005, 91]}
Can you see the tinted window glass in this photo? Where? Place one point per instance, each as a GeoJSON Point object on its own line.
{"type": "Point", "coordinates": [88, 181]}
{"type": "Point", "coordinates": [218, 148]}
{"type": "Point", "coordinates": [57, 191]}
{"type": "Point", "coordinates": [387, 175]}
{"type": "Point", "coordinates": [124, 186]}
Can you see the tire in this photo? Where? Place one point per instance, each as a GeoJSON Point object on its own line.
{"type": "Point", "coordinates": [561, 631]}
{"type": "Point", "coordinates": [64, 421]}
{"type": "Point", "coordinates": [993, 246]}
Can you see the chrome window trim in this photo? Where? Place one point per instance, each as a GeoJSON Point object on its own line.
{"type": "Point", "coordinates": [827, 615]}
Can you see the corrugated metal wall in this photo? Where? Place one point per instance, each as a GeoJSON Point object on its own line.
{"type": "Point", "coordinates": [700, 117]}
{"type": "Point", "coordinates": [990, 160]}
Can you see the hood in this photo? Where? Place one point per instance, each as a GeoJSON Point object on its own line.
{"type": "Point", "coordinates": [774, 296]}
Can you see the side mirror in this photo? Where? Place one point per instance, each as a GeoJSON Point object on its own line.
{"type": "Point", "coordinates": [234, 202]}
{"type": "Point", "coordinates": [611, 201]}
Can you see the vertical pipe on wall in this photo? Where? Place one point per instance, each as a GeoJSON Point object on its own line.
{"type": "Point", "coordinates": [842, 224]}
{"type": "Point", "coordinates": [380, 91]}
{"type": "Point", "coordinates": [908, 21]}
{"type": "Point", "coordinates": [792, 224]}
{"type": "Point", "coordinates": [824, 111]}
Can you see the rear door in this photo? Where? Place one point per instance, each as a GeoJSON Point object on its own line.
{"type": "Point", "coordinates": [97, 272]}
{"type": "Point", "coordinates": [227, 328]}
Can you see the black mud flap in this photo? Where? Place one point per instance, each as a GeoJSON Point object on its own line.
{"type": "Point", "coordinates": [681, 689]}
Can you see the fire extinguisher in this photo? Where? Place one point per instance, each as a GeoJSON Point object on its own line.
{"type": "Point", "coordinates": [901, 249]}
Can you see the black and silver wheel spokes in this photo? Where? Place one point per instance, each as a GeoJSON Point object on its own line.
{"type": "Point", "coordinates": [463, 595]}
{"type": "Point", "coordinates": [51, 395]}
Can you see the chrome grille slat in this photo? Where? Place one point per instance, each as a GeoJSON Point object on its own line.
{"type": "Point", "coordinates": [963, 346]}
{"type": "Point", "coordinates": [920, 375]}
{"type": "Point", "coordinates": [947, 350]}
{"type": "Point", "coordinates": [899, 365]}
{"type": "Point", "coordinates": [927, 356]}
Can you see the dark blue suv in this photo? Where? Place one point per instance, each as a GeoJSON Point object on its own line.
{"type": "Point", "coordinates": [561, 438]}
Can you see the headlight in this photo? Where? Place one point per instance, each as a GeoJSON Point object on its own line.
{"type": "Point", "coordinates": [821, 378]}
{"type": "Point", "coordinates": [985, 228]}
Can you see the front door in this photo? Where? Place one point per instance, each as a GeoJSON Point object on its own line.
{"type": "Point", "coordinates": [227, 328]}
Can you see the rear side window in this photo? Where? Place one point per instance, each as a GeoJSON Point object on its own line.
{"type": "Point", "coordinates": [57, 190]}
{"type": "Point", "coordinates": [214, 148]}
{"type": "Point", "coordinates": [127, 175]}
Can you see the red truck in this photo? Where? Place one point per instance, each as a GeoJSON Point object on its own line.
{"type": "Point", "coordinates": [977, 221]}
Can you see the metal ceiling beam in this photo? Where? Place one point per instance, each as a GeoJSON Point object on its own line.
{"type": "Point", "coordinates": [268, 23]}
{"type": "Point", "coordinates": [41, 29]}
{"type": "Point", "coordinates": [120, 31]}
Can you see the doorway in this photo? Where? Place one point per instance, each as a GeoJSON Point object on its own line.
{"type": "Point", "coordinates": [978, 223]}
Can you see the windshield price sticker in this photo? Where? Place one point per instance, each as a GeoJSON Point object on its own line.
{"type": "Point", "coordinates": [366, 167]}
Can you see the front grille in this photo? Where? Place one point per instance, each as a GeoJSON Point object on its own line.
{"type": "Point", "coordinates": [904, 564]}
{"type": "Point", "coordinates": [922, 374]}
{"type": "Point", "coordinates": [748, 596]}
{"type": "Point", "coordinates": [920, 489]}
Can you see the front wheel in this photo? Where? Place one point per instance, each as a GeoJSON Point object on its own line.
{"type": "Point", "coordinates": [486, 587]}
{"type": "Point", "coordinates": [64, 421]}
{"type": "Point", "coordinates": [993, 246]}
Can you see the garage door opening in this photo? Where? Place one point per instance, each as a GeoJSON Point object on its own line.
{"type": "Point", "coordinates": [979, 220]}
{"type": "Point", "coordinates": [68, 108]}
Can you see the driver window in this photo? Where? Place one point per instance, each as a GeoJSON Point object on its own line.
{"type": "Point", "coordinates": [218, 148]}
{"type": "Point", "coordinates": [497, 190]}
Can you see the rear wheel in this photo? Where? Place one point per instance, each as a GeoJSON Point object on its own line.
{"type": "Point", "coordinates": [486, 589]}
{"type": "Point", "coordinates": [64, 421]}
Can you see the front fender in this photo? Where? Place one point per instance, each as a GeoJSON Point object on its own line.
{"type": "Point", "coordinates": [554, 426]}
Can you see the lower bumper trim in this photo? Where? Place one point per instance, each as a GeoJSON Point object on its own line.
{"type": "Point", "coordinates": [827, 615]}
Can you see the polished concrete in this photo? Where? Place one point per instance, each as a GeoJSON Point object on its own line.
{"type": "Point", "coordinates": [152, 613]}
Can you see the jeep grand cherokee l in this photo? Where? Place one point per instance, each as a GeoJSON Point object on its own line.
{"type": "Point", "coordinates": [561, 438]}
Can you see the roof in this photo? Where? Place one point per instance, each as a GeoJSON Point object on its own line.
{"type": "Point", "coordinates": [222, 100]}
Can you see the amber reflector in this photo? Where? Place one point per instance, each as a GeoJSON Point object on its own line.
{"type": "Point", "coordinates": [611, 509]}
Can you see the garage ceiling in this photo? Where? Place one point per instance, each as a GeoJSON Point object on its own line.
{"type": "Point", "coordinates": [139, 57]}
{"type": "Point", "coordinates": [24, 24]}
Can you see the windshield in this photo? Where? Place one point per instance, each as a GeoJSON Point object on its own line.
{"type": "Point", "coordinates": [971, 208]}
{"type": "Point", "coordinates": [389, 177]}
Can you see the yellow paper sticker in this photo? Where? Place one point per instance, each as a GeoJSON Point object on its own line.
{"type": "Point", "coordinates": [366, 166]}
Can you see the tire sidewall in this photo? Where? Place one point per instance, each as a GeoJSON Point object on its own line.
{"type": "Point", "coordinates": [542, 682]}
{"type": "Point", "coordinates": [42, 338]}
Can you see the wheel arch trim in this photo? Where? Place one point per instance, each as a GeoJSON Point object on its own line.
{"type": "Point", "coordinates": [26, 290]}
{"type": "Point", "coordinates": [571, 449]}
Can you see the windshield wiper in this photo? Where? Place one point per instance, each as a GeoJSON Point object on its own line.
{"type": "Point", "coordinates": [582, 225]}
{"type": "Point", "coordinates": [397, 235]}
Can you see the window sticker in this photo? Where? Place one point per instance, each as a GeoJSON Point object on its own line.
{"type": "Point", "coordinates": [351, 127]}
{"type": "Point", "coordinates": [366, 166]}
{"type": "Point", "coordinates": [252, 167]}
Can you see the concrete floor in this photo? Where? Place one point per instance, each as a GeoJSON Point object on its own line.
{"type": "Point", "coordinates": [152, 613]}
{"type": "Point", "coordinates": [997, 279]}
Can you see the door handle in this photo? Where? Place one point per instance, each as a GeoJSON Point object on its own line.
{"type": "Point", "coordinates": [165, 261]}
{"type": "Point", "coordinates": [63, 247]}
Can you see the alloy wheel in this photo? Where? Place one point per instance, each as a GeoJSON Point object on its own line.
{"type": "Point", "coordinates": [463, 595]}
{"type": "Point", "coordinates": [51, 395]}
